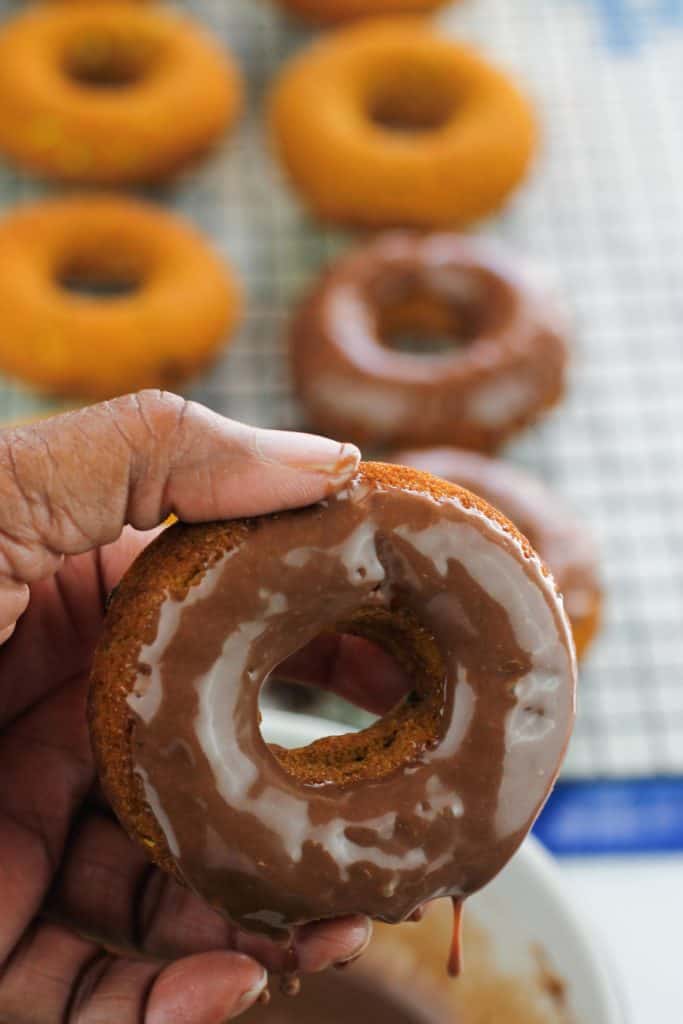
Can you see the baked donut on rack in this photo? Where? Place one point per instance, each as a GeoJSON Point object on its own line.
{"type": "Point", "coordinates": [389, 124]}
{"type": "Point", "coordinates": [324, 12]}
{"type": "Point", "coordinates": [487, 348]}
{"type": "Point", "coordinates": [562, 542]}
{"type": "Point", "coordinates": [100, 295]}
{"type": "Point", "coordinates": [432, 800]}
{"type": "Point", "coordinates": [111, 93]}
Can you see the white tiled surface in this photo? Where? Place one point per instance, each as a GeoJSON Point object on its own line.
{"type": "Point", "coordinates": [603, 214]}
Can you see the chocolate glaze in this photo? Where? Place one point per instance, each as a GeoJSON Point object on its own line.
{"type": "Point", "coordinates": [509, 366]}
{"type": "Point", "coordinates": [553, 531]}
{"type": "Point", "coordinates": [273, 851]}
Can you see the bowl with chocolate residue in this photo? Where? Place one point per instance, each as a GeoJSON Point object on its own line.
{"type": "Point", "coordinates": [529, 956]}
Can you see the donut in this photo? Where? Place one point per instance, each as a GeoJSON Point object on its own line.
{"type": "Point", "coordinates": [166, 302]}
{"type": "Point", "coordinates": [504, 364]}
{"type": "Point", "coordinates": [386, 123]}
{"type": "Point", "coordinates": [329, 11]}
{"type": "Point", "coordinates": [431, 800]}
{"type": "Point", "coordinates": [563, 544]}
{"type": "Point", "coordinates": [111, 93]}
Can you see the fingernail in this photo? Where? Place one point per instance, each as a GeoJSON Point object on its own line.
{"type": "Point", "coordinates": [251, 995]}
{"type": "Point", "coordinates": [308, 452]}
{"type": "Point", "coordinates": [359, 950]}
{"type": "Point", "coordinates": [5, 634]}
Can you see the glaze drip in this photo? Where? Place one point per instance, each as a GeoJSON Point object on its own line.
{"type": "Point", "coordinates": [455, 957]}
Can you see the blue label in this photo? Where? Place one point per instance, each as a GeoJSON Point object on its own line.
{"type": "Point", "coordinates": [628, 24]}
{"type": "Point", "coordinates": [614, 816]}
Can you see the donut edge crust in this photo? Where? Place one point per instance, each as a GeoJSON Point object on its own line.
{"type": "Point", "coordinates": [172, 563]}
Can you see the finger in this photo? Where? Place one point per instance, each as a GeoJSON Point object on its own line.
{"type": "Point", "coordinates": [209, 988]}
{"type": "Point", "coordinates": [115, 559]}
{"type": "Point", "coordinates": [55, 977]}
{"type": "Point", "coordinates": [351, 666]}
{"type": "Point", "coordinates": [317, 946]}
{"type": "Point", "coordinates": [45, 771]}
{"type": "Point", "coordinates": [54, 639]}
{"type": "Point", "coordinates": [56, 636]}
{"type": "Point", "coordinates": [45, 964]}
{"type": "Point", "coordinates": [69, 484]}
{"type": "Point", "coordinates": [107, 890]}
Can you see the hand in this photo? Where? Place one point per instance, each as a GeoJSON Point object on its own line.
{"type": "Point", "coordinates": [155, 952]}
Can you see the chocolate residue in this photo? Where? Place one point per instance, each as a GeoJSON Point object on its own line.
{"type": "Point", "coordinates": [360, 997]}
{"type": "Point", "coordinates": [486, 992]}
{"type": "Point", "coordinates": [549, 979]}
{"type": "Point", "coordinates": [290, 985]}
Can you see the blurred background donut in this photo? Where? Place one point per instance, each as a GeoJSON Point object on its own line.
{"type": "Point", "coordinates": [111, 94]}
{"type": "Point", "coordinates": [561, 540]}
{"type": "Point", "coordinates": [427, 339]}
{"type": "Point", "coordinates": [101, 295]}
{"type": "Point", "coordinates": [428, 132]}
{"type": "Point", "coordinates": [326, 11]}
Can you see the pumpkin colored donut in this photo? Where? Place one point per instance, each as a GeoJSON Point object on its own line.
{"type": "Point", "coordinates": [63, 331]}
{"type": "Point", "coordinates": [504, 363]}
{"type": "Point", "coordinates": [387, 123]}
{"type": "Point", "coordinates": [323, 12]}
{"type": "Point", "coordinates": [111, 93]}
{"type": "Point", "coordinates": [433, 799]}
{"type": "Point", "coordinates": [561, 541]}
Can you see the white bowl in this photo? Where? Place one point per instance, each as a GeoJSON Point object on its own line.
{"type": "Point", "coordinates": [528, 905]}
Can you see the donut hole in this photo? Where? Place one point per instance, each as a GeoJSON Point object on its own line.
{"type": "Point", "coordinates": [410, 725]}
{"type": "Point", "coordinates": [306, 681]}
{"type": "Point", "coordinates": [108, 59]}
{"type": "Point", "coordinates": [422, 324]}
{"type": "Point", "coordinates": [99, 278]}
{"type": "Point", "coordinates": [412, 100]}
{"type": "Point", "coordinates": [93, 286]}
{"type": "Point", "coordinates": [94, 283]}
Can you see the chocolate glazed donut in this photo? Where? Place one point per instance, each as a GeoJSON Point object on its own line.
{"type": "Point", "coordinates": [505, 366]}
{"type": "Point", "coordinates": [430, 801]}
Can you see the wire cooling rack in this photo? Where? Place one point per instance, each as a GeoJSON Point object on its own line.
{"type": "Point", "coordinates": [603, 215]}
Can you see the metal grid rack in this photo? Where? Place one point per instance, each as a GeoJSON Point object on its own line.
{"type": "Point", "coordinates": [603, 215]}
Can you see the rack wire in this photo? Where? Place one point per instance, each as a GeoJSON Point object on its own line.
{"type": "Point", "coordinates": [602, 215]}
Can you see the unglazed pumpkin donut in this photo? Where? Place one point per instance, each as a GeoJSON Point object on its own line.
{"type": "Point", "coordinates": [173, 303]}
{"type": "Point", "coordinates": [504, 365]}
{"type": "Point", "coordinates": [561, 541]}
{"type": "Point", "coordinates": [388, 123]}
{"type": "Point", "coordinates": [324, 12]}
{"type": "Point", "coordinates": [430, 801]}
{"type": "Point", "coordinates": [111, 94]}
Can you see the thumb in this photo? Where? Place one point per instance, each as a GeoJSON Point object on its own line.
{"type": "Point", "coordinates": [70, 484]}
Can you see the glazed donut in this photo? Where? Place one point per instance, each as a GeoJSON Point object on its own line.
{"type": "Point", "coordinates": [430, 801]}
{"type": "Point", "coordinates": [324, 12]}
{"type": "Point", "coordinates": [507, 369]}
{"type": "Point", "coordinates": [388, 123]}
{"type": "Point", "coordinates": [174, 300]}
{"type": "Point", "coordinates": [562, 543]}
{"type": "Point", "coordinates": [111, 94]}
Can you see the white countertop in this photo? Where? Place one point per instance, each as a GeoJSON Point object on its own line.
{"type": "Point", "coordinates": [636, 908]}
